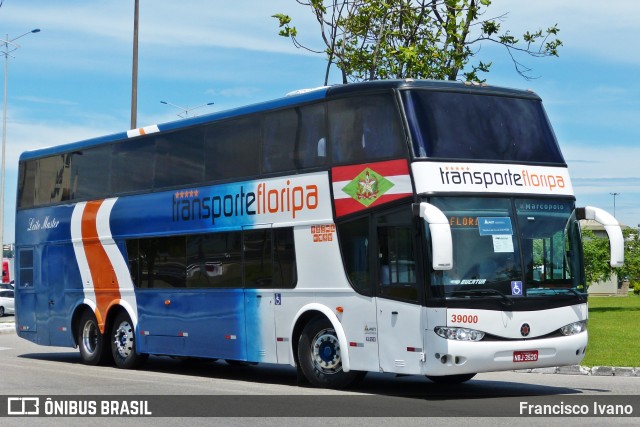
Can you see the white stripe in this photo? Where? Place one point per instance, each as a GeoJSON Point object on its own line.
{"type": "Point", "coordinates": [401, 185]}
{"type": "Point", "coordinates": [118, 263]}
{"type": "Point", "coordinates": [147, 129]}
{"type": "Point", "coordinates": [433, 177]}
{"type": "Point", "coordinates": [78, 249]}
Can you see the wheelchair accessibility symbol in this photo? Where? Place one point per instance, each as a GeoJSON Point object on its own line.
{"type": "Point", "coordinates": [516, 288]}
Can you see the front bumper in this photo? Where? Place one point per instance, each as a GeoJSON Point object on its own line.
{"type": "Point", "coordinates": [450, 357]}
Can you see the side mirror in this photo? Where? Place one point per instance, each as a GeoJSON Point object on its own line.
{"type": "Point", "coordinates": [441, 240]}
{"type": "Point", "coordinates": [611, 226]}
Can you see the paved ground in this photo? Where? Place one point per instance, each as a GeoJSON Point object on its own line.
{"type": "Point", "coordinates": [7, 324]}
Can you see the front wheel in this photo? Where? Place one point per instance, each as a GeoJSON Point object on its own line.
{"type": "Point", "coordinates": [451, 379]}
{"type": "Point", "coordinates": [123, 343]}
{"type": "Point", "coordinates": [320, 357]}
{"type": "Point", "coordinates": [91, 342]}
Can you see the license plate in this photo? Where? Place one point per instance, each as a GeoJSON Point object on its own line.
{"type": "Point", "coordinates": [525, 356]}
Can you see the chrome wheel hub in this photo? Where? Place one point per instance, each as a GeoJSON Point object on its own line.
{"type": "Point", "coordinates": [325, 352]}
{"type": "Point", "coordinates": [90, 337]}
{"type": "Point", "coordinates": [124, 339]}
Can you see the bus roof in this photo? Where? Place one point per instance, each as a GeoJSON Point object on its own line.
{"type": "Point", "coordinates": [294, 98]}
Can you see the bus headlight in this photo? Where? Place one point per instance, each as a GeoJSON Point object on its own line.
{"type": "Point", "coordinates": [574, 328]}
{"type": "Point", "coordinates": [459, 334]}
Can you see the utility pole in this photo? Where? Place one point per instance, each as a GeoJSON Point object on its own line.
{"type": "Point", "coordinates": [134, 73]}
{"type": "Point", "coordinates": [614, 203]}
{"type": "Point", "coordinates": [7, 45]}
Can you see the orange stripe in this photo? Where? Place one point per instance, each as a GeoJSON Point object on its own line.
{"type": "Point", "coordinates": [105, 281]}
{"type": "Point", "coordinates": [141, 131]}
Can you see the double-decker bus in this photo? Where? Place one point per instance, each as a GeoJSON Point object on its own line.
{"type": "Point", "coordinates": [412, 227]}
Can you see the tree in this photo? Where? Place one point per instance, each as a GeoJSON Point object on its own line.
{"type": "Point", "coordinates": [631, 268]}
{"type": "Point", "coordinates": [436, 39]}
{"type": "Point", "coordinates": [597, 255]}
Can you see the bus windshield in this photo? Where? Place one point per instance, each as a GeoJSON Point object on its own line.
{"type": "Point", "coordinates": [483, 127]}
{"type": "Point", "coordinates": [489, 258]}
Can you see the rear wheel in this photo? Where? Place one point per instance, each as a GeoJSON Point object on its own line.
{"type": "Point", "coordinates": [123, 343]}
{"type": "Point", "coordinates": [91, 341]}
{"type": "Point", "coordinates": [451, 379]}
{"type": "Point", "coordinates": [1, 311]}
{"type": "Point", "coordinates": [320, 357]}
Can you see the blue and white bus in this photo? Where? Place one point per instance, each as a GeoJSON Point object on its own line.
{"type": "Point", "coordinates": [412, 227]}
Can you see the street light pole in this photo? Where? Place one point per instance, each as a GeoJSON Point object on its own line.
{"type": "Point", "coordinates": [4, 144]}
{"type": "Point", "coordinates": [614, 203]}
{"type": "Point", "coordinates": [8, 46]}
{"type": "Point", "coordinates": [134, 71]}
{"type": "Point", "coordinates": [185, 110]}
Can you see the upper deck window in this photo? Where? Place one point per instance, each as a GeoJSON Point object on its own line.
{"type": "Point", "coordinates": [27, 175]}
{"type": "Point", "coordinates": [364, 129]}
{"type": "Point", "coordinates": [132, 165]}
{"type": "Point", "coordinates": [468, 126]}
{"type": "Point", "coordinates": [294, 139]}
{"type": "Point", "coordinates": [90, 172]}
{"type": "Point", "coordinates": [232, 149]}
{"type": "Point", "coordinates": [179, 158]}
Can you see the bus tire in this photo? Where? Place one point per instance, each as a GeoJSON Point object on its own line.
{"type": "Point", "coordinates": [91, 342]}
{"type": "Point", "coordinates": [320, 357]}
{"type": "Point", "coordinates": [451, 379]}
{"type": "Point", "coordinates": [123, 343]}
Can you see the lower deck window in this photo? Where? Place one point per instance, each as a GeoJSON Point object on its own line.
{"type": "Point", "coordinates": [262, 258]}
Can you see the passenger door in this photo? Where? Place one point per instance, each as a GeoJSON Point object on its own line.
{"type": "Point", "coordinates": [399, 314]}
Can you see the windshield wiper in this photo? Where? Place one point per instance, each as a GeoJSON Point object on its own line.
{"type": "Point", "coordinates": [556, 291]}
{"type": "Point", "coordinates": [573, 291]}
{"type": "Point", "coordinates": [482, 292]}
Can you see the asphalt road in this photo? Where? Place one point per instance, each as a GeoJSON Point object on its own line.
{"type": "Point", "coordinates": [270, 395]}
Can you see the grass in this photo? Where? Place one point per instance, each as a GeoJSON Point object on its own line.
{"type": "Point", "coordinates": [614, 331]}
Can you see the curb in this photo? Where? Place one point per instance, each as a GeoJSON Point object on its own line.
{"type": "Point", "coordinates": [596, 371]}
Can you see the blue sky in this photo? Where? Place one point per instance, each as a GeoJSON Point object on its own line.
{"type": "Point", "coordinates": [72, 81]}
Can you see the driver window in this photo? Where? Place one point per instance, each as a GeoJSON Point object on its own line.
{"type": "Point", "coordinates": [396, 256]}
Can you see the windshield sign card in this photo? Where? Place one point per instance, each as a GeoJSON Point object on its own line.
{"type": "Point", "coordinates": [491, 226]}
{"type": "Point", "coordinates": [502, 243]}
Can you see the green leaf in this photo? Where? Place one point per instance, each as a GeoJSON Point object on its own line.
{"type": "Point", "coordinates": [282, 18]}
